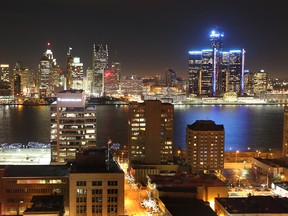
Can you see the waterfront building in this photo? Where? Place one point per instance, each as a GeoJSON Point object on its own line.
{"type": "Point", "coordinates": [260, 83]}
{"type": "Point", "coordinates": [90, 185]}
{"type": "Point", "coordinates": [48, 74]}
{"type": "Point", "coordinates": [171, 77]}
{"type": "Point", "coordinates": [111, 83]}
{"type": "Point", "coordinates": [5, 80]}
{"type": "Point", "coordinates": [116, 66]}
{"type": "Point", "coordinates": [213, 71]}
{"type": "Point", "coordinates": [150, 132]}
{"type": "Point", "coordinates": [131, 85]}
{"type": "Point", "coordinates": [21, 79]}
{"type": "Point", "coordinates": [100, 62]}
{"type": "Point", "coordinates": [88, 81]}
{"type": "Point", "coordinates": [77, 74]}
{"type": "Point", "coordinates": [205, 145]}
{"type": "Point", "coordinates": [73, 125]}
{"type": "Point", "coordinates": [248, 83]}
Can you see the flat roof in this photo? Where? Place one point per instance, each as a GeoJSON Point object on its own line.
{"type": "Point", "coordinates": [27, 171]}
{"type": "Point", "coordinates": [273, 162]}
{"type": "Point", "coordinates": [181, 206]}
{"type": "Point", "coordinates": [94, 161]}
{"type": "Point", "coordinates": [181, 182]}
{"type": "Point", "coordinates": [254, 204]}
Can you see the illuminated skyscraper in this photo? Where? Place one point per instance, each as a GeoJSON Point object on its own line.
{"type": "Point", "coordinates": [77, 74]}
{"type": "Point", "coordinates": [111, 83]}
{"type": "Point", "coordinates": [5, 80]}
{"type": "Point", "coordinates": [205, 145]}
{"type": "Point", "coordinates": [260, 82]}
{"type": "Point", "coordinates": [21, 79]}
{"type": "Point", "coordinates": [100, 62]}
{"type": "Point", "coordinates": [171, 77]}
{"type": "Point", "coordinates": [213, 72]}
{"type": "Point", "coordinates": [48, 73]}
{"type": "Point", "coordinates": [73, 125]}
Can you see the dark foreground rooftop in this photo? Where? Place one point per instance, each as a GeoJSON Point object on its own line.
{"type": "Point", "coordinates": [254, 204]}
{"type": "Point", "coordinates": [186, 206]}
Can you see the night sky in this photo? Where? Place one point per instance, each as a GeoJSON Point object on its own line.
{"type": "Point", "coordinates": [148, 36]}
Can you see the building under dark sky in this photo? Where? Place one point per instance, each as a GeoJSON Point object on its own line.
{"type": "Point", "coordinates": [149, 36]}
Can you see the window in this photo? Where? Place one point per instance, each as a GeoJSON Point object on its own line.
{"type": "Point", "coordinates": [112, 199]}
{"type": "Point", "coordinates": [81, 183]}
{"type": "Point", "coordinates": [81, 191]}
{"type": "Point", "coordinates": [97, 199]}
{"type": "Point", "coordinates": [112, 208]}
{"type": "Point", "coordinates": [96, 183]}
{"type": "Point", "coordinates": [96, 209]}
{"type": "Point", "coordinates": [81, 209]}
{"type": "Point", "coordinates": [96, 191]}
{"type": "Point", "coordinates": [112, 183]}
{"type": "Point", "coordinates": [80, 199]}
{"type": "Point", "coordinates": [112, 191]}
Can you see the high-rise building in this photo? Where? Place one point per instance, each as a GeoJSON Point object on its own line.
{"type": "Point", "coordinates": [171, 77]}
{"type": "Point", "coordinates": [48, 73]}
{"type": "Point", "coordinates": [73, 125]}
{"type": "Point", "coordinates": [260, 82]}
{"type": "Point", "coordinates": [285, 133]}
{"type": "Point", "coordinates": [5, 80]}
{"type": "Point", "coordinates": [116, 66]}
{"type": "Point", "coordinates": [111, 82]}
{"type": "Point", "coordinates": [151, 132]}
{"type": "Point", "coordinates": [205, 145]}
{"type": "Point", "coordinates": [100, 62]}
{"type": "Point", "coordinates": [69, 62]}
{"type": "Point", "coordinates": [248, 83]}
{"type": "Point", "coordinates": [213, 71]}
{"type": "Point", "coordinates": [77, 74]}
{"type": "Point", "coordinates": [21, 79]}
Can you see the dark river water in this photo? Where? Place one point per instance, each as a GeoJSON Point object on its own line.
{"type": "Point", "coordinates": [258, 127]}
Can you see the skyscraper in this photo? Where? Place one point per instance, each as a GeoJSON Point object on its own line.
{"type": "Point", "coordinates": [171, 77]}
{"type": "Point", "coordinates": [260, 82]}
{"type": "Point", "coordinates": [205, 145]}
{"type": "Point", "coordinates": [48, 73]}
{"type": "Point", "coordinates": [73, 125]}
{"type": "Point", "coordinates": [100, 62]}
{"type": "Point", "coordinates": [111, 83]}
{"type": "Point", "coordinates": [5, 80]}
{"type": "Point", "coordinates": [77, 74]}
{"type": "Point", "coordinates": [213, 72]}
{"type": "Point", "coordinates": [151, 132]}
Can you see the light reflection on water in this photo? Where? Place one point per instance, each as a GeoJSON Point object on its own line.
{"type": "Point", "coordinates": [258, 127]}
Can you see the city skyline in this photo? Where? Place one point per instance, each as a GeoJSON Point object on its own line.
{"type": "Point", "coordinates": [148, 36]}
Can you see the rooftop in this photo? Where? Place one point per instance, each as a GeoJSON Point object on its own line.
{"type": "Point", "coordinates": [52, 203]}
{"type": "Point", "coordinates": [184, 182]}
{"type": "Point", "coordinates": [36, 171]}
{"type": "Point", "coordinates": [180, 206]}
{"type": "Point", "coordinates": [205, 125]}
{"type": "Point", "coordinates": [95, 161]}
{"type": "Point", "coordinates": [254, 204]}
